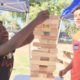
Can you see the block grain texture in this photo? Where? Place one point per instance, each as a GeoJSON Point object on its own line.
{"type": "Point", "coordinates": [44, 58]}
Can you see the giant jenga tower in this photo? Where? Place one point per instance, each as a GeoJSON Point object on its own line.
{"type": "Point", "coordinates": [44, 57]}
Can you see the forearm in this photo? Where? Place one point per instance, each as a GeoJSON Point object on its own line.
{"type": "Point", "coordinates": [69, 67]}
{"type": "Point", "coordinates": [18, 39]}
{"type": "Point", "coordinates": [28, 40]}
{"type": "Point", "coordinates": [21, 36]}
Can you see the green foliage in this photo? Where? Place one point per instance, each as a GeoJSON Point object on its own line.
{"type": "Point", "coordinates": [22, 15]}
{"type": "Point", "coordinates": [55, 7]}
{"type": "Point", "coordinates": [36, 6]}
{"type": "Point", "coordinates": [70, 27]}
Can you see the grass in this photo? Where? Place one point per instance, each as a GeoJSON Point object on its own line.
{"type": "Point", "coordinates": [21, 62]}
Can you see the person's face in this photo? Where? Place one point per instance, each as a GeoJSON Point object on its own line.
{"type": "Point", "coordinates": [77, 18]}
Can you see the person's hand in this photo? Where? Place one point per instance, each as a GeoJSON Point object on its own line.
{"type": "Point", "coordinates": [42, 16]}
{"type": "Point", "coordinates": [62, 72]}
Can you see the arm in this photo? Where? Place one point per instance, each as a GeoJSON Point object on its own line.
{"type": "Point", "coordinates": [69, 67]}
{"type": "Point", "coordinates": [28, 40]}
{"type": "Point", "coordinates": [64, 71]}
{"type": "Point", "coordinates": [21, 36]}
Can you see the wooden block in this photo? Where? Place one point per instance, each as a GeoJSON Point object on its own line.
{"type": "Point", "coordinates": [44, 45]}
{"type": "Point", "coordinates": [52, 68]}
{"type": "Point", "coordinates": [47, 23]}
{"type": "Point", "coordinates": [46, 30]}
{"type": "Point", "coordinates": [54, 34]}
{"type": "Point", "coordinates": [54, 29]}
{"type": "Point", "coordinates": [38, 28]}
{"type": "Point", "coordinates": [38, 62]}
{"type": "Point", "coordinates": [46, 33]}
{"type": "Point", "coordinates": [50, 22]}
{"type": "Point", "coordinates": [48, 37]}
{"type": "Point", "coordinates": [54, 59]}
{"type": "Point", "coordinates": [42, 75]}
{"type": "Point", "coordinates": [49, 68]}
{"type": "Point", "coordinates": [47, 50]}
{"type": "Point", "coordinates": [51, 33]}
{"type": "Point", "coordinates": [43, 66]}
{"type": "Point", "coordinates": [46, 73]}
{"type": "Point", "coordinates": [37, 37]}
{"type": "Point", "coordinates": [53, 51]}
{"type": "Point", "coordinates": [34, 74]}
{"type": "Point", "coordinates": [45, 59]}
{"type": "Point", "coordinates": [40, 50]}
{"type": "Point", "coordinates": [45, 53]}
{"type": "Point", "coordinates": [46, 70]}
{"type": "Point", "coordinates": [45, 41]}
{"type": "Point", "coordinates": [34, 67]}
{"type": "Point", "coordinates": [43, 70]}
{"type": "Point", "coordinates": [51, 26]}
{"type": "Point", "coordinates": [38, 33]}
{"type": "Point", "coordinates": [40, 71]}
{"type": "Point", "coordinates": [37, 53]}
{"type": "Point", "coordinates": [41, 58]}
{"type": "Point", "coordinates": [35, 58]}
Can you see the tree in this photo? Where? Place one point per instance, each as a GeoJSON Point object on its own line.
{"type": "Point", "coordinates": [56, 8]}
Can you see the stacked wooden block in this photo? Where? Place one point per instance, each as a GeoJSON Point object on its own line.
{"type": "Point", "coordinates": [43, 61]}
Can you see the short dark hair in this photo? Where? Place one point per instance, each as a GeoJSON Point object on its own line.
{"type": "Point", "coordinates": [78, 7]}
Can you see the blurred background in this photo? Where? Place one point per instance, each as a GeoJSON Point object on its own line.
{"type": "Point", "coordinates": [15, 21]}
